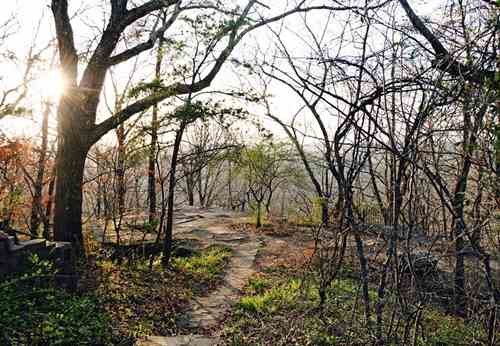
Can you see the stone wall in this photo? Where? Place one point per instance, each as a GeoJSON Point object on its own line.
{"type": "Point", "coordinates": [14, 257]}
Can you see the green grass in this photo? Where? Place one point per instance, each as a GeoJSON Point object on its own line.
{"type": "Point", "coordinates": [35, 312]}
{"type": "Point", "coordinates": [257, 285]}
{"type": "Point", "coordinates": [206, 266]}
{"type": "Point", "coordinates": [442, 329]}
{"type": "Point", "coordinates": [145, 301]}
{"type": "Point", "coordinates": [140, 301]}
{"type": "Point", "coordinates": [116, 305]}
{"type": "Point", "coordinates": [272, 299]}
{"type": "Point", "coordinates": [283, 310]}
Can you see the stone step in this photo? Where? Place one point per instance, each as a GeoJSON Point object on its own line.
{"type": "Point", "coordinates": [29, 245]}
{"type": "Point", "coordinates": [6, 243]}
{"type": "Point", "coordinates": [181, 340]}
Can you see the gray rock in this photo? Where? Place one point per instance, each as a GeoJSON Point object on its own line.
{"type": "Point", "coordinates": [181, 340]}
{"type": "Point", "coordinates": [183, 251]}
{"type": "Point", "coordinates": [422, 263]}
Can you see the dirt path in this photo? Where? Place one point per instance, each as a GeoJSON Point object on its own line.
{"type": "Point", "coordinates": [206, 312]}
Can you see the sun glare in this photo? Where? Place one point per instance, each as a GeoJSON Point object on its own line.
{"type": "Point", "coordinates": [50, 85]}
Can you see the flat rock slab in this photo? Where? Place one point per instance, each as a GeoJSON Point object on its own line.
{"type": "Point", "coordinates": [206, 312]}
{"type": "Point", "coordinates": [181, 340]}
{"type": "Point", "coordinates": [230, 237]}
{"type": "Point", "coordinates": [197, 233]}
{"type": "Point", "coordinates": [218, 230]}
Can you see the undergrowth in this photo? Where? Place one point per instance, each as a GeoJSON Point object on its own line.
{"type": "Point", "coordinates": [144, 301]}
{"type": "Point", "coordinates": [33, 311]}
{"type": "Point", "coordinates": [140, 301]}
{"type": "Point", "coordinates": [205, 267]}
{"type": "Point", "coordinates": [283, 309]}
{"type": "Point", "coordinates": [116, 303]}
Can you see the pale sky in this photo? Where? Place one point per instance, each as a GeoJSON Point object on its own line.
{"type": "Point", "coordinates": [30, 13]}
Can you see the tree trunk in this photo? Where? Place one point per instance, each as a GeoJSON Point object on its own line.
{"type": "Point", "coordinates": [325, 217]}
{"type": "Point", "coordinates": [229, 185]}
{"type": "Point", "coordinates": [98, 202]}
{"type": "Point", "coordinates": [71, 155]}
{"type": "Point", "coordinates": [469, 141]}
{"type": "Point", "coordinates": [259, 215]}
{"type": "Point", "coordinates": [190, 188]}
{"type": "Point", "coordinates": [48, 207]}
{"type": "Point", "coordinates": [497, 157]}
{"type": "Point", "coordinates": [201, 191]}
{"type": "Point", "coordinates": [458, 233]}
{"type": "Point", "coordinates": [37, 208]}
{"type": "Point", "coordinates": [363, 263]}
{"type": "Point", "coordinates": [121, 188]}
{"type": "Point", "coordinates": [154, 142]}
{"type": "Point", "coordinates": [151, 166]}
{"type": "Point", "coordinates": [398, 168]}
{"type": "Point", "coordinates": [167, 240]}
{"type": "Point", "coordinates": [348, 216]}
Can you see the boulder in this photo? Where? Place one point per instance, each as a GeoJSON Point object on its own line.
{"type": "Point", "coordinates": [183, 251]}
{"type": "Point", "coordinates": [422, 263]}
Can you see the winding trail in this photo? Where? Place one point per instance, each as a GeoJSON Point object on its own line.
{"type": "Point", "coordinates": [207, 312]}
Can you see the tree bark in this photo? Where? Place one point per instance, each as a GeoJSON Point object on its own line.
{"type": "Point", "coordinates": [325, 216]}
{"type": "Point", "coordinates": [167, 240]}
{"type": "Point", "coordinates": [71, 155]}
{"type": "Point", "coordinates": [259, 215]}
{"type": "Point", "coordinates": [37, 208]}
{"type": "Point", "coordinates": [121, 188]}
{"type": "Point", "coordinates": [497, 155]}
{"type": "Point", "coordinates": [459, 233]}
{"type": "Point", "coordinates": [201, 190]}
{"type": "Point", "coordinates": [48, 207]}
{"type": "Point", "coordinates": [190, 188]}
{"type": "Point", "coordinates": [151, 166]}
{"type": "Point", "coordinates": [154, 142]}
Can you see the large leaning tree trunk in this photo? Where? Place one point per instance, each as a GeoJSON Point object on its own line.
{"type": "Point", "coordinates": [73, 146]}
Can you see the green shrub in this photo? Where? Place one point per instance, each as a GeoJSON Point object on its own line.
{"type": "Point", "coordinates": [277, 308]}
{"type": "Point", "coordinates": [257, 285]}
{"type": "Point", "coordinates": [205, 266]}
{"type": "Point", "coordinates": [323, 339]}
{"type": "Point", "coordinates": [446, 330]}
{"type": "Point", "coordinates": [35, 312]}
{"type": "Point", "coordinates": [272, 299]}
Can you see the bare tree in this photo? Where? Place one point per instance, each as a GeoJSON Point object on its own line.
{"type": "Point", "coordinates": [77, 110]}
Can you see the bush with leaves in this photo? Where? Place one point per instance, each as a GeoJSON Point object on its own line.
{"type": "Point", "coordinates": [35, 312]}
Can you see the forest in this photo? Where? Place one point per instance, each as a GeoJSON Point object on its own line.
{"type": "Point", "coordinates": [243, 172]}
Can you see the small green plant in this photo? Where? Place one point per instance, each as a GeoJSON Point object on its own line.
{"type": "Point", "coordinates": [35, 312]}
{"type": "Point", "coordinates": [206, 266]}
{"type": "Point", "coordinates": [150, 226]}
{"type": "Point", "coordinates": [321, 338]}
{"type": "Point", "coordinates": [257, 285]}
{"type": "Point", "coordinates": [444, 330]}
{"type": "Point", "coordinates": [272, 299]}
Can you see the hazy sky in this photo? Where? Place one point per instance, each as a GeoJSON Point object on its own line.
{"type": "Point", "coordinates": [35, 13]}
